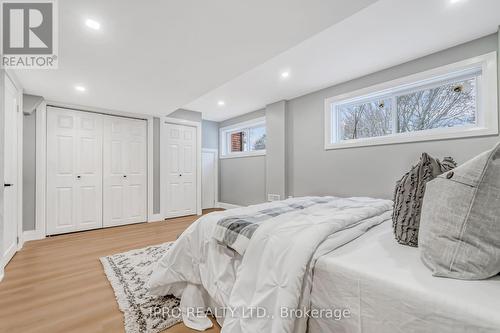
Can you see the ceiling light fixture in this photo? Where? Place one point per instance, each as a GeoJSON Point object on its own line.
{"type": "Point", "coordinates": [80, 88]}
{"type": "Point", "coordinates": [455, 1]}
{"type": "Point", "coordinates": [221, 103]}
{"type": "Point", "coordinates": [93, 24]}
{"type": "Point", "coordinates": [285, 75]}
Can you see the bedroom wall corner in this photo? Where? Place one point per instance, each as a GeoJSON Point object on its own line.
{"type": "Point", "coordinates": [210, 134]}
{"type": "Point", "coordinates": [242, 180]}
{"type": "Point", "coordinates": [276, 149]}
{"type": "Point", "coordinates": [29, 170]}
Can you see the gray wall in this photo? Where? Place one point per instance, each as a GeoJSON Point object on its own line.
{"type": "Point", "coordinates": [242, 180]}
{"type": "Point", "coordinates": [210, 134]}
{"type": "Point", "coordinates": [29, 170]}
{"type": "Point", "coordinates": [370, 171]}
{"type": "Point", "coordinates": [276, 148]}
{"type": "Point", "coordinates": [156, 166]}
{"type": "Point", "coordinates": [30, 103]}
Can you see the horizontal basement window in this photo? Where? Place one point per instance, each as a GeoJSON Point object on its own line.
{"type": "Point", "coordinates": [243, 139]}
{"type": "Point", "coordinates": [458, 100]}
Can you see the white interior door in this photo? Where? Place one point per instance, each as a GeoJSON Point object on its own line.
{"type": "Point", "coordinates": [209, 178]}
{"type": "Point", "coordinates": [125, 171]}
{"type": "Point", "coordinates": [11, 183]}
{"type": "Point", "coordinates": [74, 171]}
{"type": "Point", "coordinates": [181, 166]}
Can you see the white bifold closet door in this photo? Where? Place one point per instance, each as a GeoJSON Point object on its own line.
{"type": "Point", "coordinates": [74, 171]}
{"type": "Point", "coordinates": [125, 171]}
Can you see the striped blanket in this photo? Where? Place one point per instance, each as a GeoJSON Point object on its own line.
{"type": "Point", "coordinates": [236, 231]}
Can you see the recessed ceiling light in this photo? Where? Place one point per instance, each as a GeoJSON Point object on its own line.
{"type": "Point", "coordinates": [93, 24]}
{"type": "Point", "coordinates": [80, 88]}
{"type": "Point", "coordinates": [221, 103]}
{"type": "Point", "coordinates": [285, 75]}
{"type": "Point", "coordinates": [455, 1]}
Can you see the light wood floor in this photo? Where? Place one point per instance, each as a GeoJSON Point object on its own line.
{"type": "Point", "coordinates": [58, 284]}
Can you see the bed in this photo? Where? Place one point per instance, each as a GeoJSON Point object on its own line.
{"type": "Point", "coordinates": [323, 253]}
{"type": "Point", "coordinates": [387, 288]}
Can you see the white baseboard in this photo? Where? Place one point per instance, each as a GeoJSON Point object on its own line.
{"type": "Point", "coordinates": [32, 235]}
{"type": "Point", "coordinates": [156, 218]}
{"type": "Point", "coordinates": [226, 205]}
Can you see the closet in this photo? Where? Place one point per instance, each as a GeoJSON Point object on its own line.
{"type": "Point", "coordinates": [96, 170]}
{"type": "Point", "coordinates": [124, 167]}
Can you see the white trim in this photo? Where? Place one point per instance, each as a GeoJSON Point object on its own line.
{"type": "Point", "coordinates": [223, 144]}
{"type": "Point", "coordinates": [9, 75]}
{"type": "Point", "coordinates": [244, 154]}
{"type": "Point", "coordinates": [108, 112]}
{"type": "Point", "coordinates": [150, 152]}
{"type": "Point", "coordinates": [487, 106]}
{"type": "Point", "coordinates": [224, 205]}
{"type": "Point", "coordinates": [156, 218]}
{"type": "Point", "coordinates": [41, 168]}
{"type": "Point", "coordinates": [216, 154]}
{"type": "Point", "coordinates": [163, 160]}
{"type": "Point", "coordinates": [32, 235]}
{"type": "Point", "coordinates": [20, 130]}
{"type": "Point", "coordinates": [41, 155]}
{"type": "Point", "coordinates": [1, 273]}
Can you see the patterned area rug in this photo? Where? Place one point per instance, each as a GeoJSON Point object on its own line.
{"type": "Point", "coordinates": [128, 274]}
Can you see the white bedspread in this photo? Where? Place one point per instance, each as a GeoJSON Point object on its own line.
{"type": "Point", "coordinates": [387, 288]}
{"type": "Point", "coordinates": [275, 272]}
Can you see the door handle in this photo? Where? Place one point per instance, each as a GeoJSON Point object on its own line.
{"type": "Point", "coordinates": [78, 177]}
{"type": "Point", "coordinates": [8, 185]}
{"type": "Point", "coordinates": [124, 176]}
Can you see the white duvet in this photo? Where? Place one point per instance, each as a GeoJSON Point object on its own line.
{"type": "Point", "coordinates": [260, 290]}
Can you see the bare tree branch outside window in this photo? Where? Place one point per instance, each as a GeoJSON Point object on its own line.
{"type": "Point", "coordinates": [448, 105]}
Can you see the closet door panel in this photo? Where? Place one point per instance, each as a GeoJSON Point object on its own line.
{"type": "Point", "coordinates": [62, 136]}
{"type": "Point", "coordinates": [113, 172]}
{"type": "Point", "coordinates": [136, 169]}
{"type": "Point", "coordinates": [124, 165]}
{"type": "Point", "coordinates": [89, 165]}
{"type": "Point", "coordinates": [74, 171]}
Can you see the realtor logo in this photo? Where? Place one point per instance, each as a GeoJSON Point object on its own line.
{"type": "Point", "coordinates": [29, 34]}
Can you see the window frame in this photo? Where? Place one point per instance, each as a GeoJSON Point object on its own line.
{"type": "Point", "coordinates": [224, 144]}
{"type": "Point", "coordinates": [486, 111]}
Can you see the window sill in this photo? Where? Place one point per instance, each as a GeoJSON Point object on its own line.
{"type": "Point", "coordinates": [244, 154]}
{"type": "Point", "coordinates": [422, 136]}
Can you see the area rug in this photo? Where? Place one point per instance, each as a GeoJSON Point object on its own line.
{"type": "Point", "coordinates": [128, 274]}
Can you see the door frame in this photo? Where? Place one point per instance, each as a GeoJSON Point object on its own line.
{"type": "Point", "coordinates": [9, 75]}
{"type": "Point", "coordinates": [41, 159]}
{"type": "Point", "coordinates": [216, 152]}
{"type": "Point", "coordinates": [163, 160]}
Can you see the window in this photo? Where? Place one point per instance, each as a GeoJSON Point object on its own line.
{"type": "Point", "coordinates": [244, 139]}
{"type": "Point", "coordinates": [459, 100]}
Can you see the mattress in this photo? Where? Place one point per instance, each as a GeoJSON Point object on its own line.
{"type": "Point", "coordinates": [373, 284]}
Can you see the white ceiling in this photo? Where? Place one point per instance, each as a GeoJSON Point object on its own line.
{"type": "Point", "coordinates": [155, 56]}
{"type": "Point", "coordinates": [387, 33]}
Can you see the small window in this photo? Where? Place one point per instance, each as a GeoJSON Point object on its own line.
{"type": "Point", "coordinates": [244, 139]}
{"type": "Point", "coordinates": [458, 100]}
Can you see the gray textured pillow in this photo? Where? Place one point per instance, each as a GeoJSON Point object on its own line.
{"type": "Point", "coordinates": [409, 195]}
{"type": "Point", "coordinates": [460, 225]}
